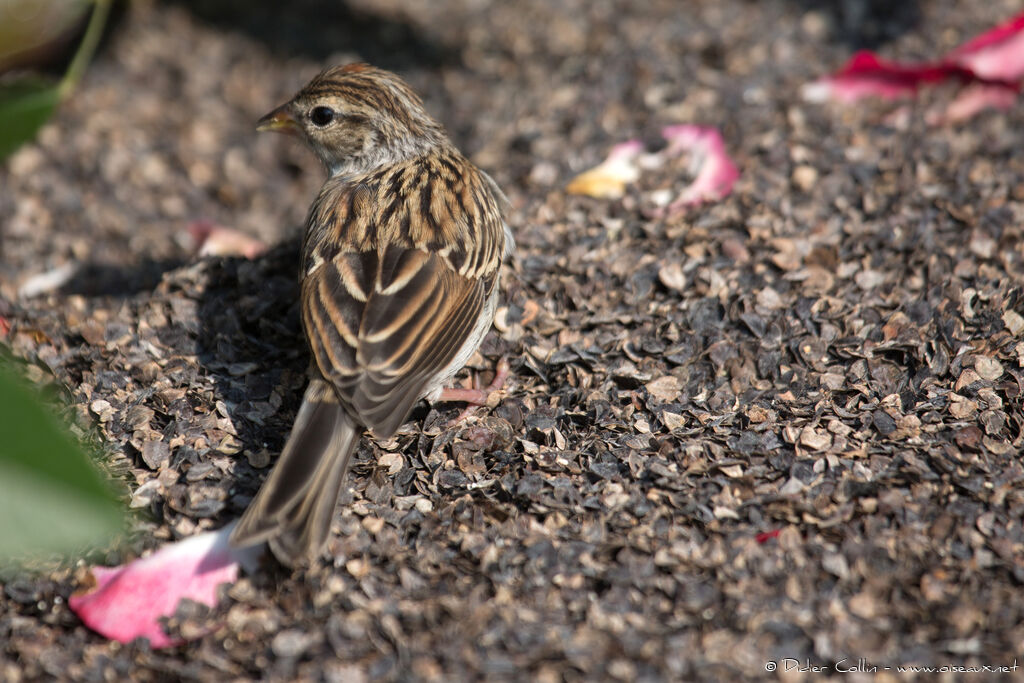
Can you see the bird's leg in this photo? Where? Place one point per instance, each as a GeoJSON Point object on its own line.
{"type": "Point", "coordinates": [476, 396]}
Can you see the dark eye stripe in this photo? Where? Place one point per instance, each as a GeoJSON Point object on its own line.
{"type": "Point", "coordinates": [321, 116]}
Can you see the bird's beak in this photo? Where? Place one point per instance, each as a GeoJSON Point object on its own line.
{"type": "Point", "coordinates": [279, 120]}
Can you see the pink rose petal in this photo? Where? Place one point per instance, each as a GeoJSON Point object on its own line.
{"type": "Point", "coordinates": [714, 170]}
{"type": "Point", "coordinates": [995, 55]}
{"type": "Point", "coordinates": [127, 602]}
{"type": "Point", "coordinates": [991, 65]}
{"type": "Point", "coordinates": [973, 99]}
{"type": "Point", "coordinates": [867, 75]}
{"type": "Point", "coordinates": [608, 180]}
{"type": "Point", "coordinates": [211, 239]}
{"type": "Point", "coordinates": [713, 167]}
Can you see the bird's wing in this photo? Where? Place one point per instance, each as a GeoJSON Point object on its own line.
{"type": "Point", "coordinates": [381, 346]}
{"type": "Point", "coordinates": [395, 284]}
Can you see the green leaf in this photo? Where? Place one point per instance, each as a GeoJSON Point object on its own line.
{"type": "Point", "coordinates": [24, 107]}
{"type": "Point", "coordinates": [52, 499]}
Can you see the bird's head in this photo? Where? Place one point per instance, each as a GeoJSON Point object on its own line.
{"type": "Point", "coordinates": [357, 118]}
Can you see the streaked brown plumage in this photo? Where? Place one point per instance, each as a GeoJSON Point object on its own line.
{"type": "Point", "coordinates": [399, 282]}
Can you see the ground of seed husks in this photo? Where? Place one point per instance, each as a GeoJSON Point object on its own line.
{"type": "Point", "coordinates": [782, 425]}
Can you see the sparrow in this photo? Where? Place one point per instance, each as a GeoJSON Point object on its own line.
{"type": "Point", "coordinates": [398, 280]}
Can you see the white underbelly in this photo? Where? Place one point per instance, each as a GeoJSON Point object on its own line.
{"type": "Point", "coordinates": [473, 341]}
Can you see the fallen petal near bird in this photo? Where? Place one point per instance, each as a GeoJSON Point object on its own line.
{"type": "Point", "coordinates": [713, 170]}
{"type": "Point", "coordinates": [133, 600]}
{"type": "Point", "coordinates": [209, 239]}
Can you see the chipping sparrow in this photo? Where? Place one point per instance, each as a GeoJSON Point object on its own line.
{"type": "Point", "coordinates": [399, 283]}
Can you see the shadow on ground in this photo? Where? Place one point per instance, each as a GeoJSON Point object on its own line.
{"type": "Point", "coordinates": [249, 342]}
{"type": "Point", "coordinates": [317, 30]}
{"type": "Point", "coordinates": [120, 281]}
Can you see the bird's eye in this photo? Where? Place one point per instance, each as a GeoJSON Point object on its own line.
{"type": "Point", "coordinates": [321, 116]}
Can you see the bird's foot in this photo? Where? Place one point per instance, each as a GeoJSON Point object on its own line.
{"type": "Point", "coordinates": [477, 396]}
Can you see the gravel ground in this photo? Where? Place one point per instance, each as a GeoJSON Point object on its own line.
{"type": "Point", "coordinates": [783, 425]}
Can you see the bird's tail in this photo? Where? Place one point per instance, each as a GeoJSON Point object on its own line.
{"type": "Point", "coordinates": [294, 508]}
